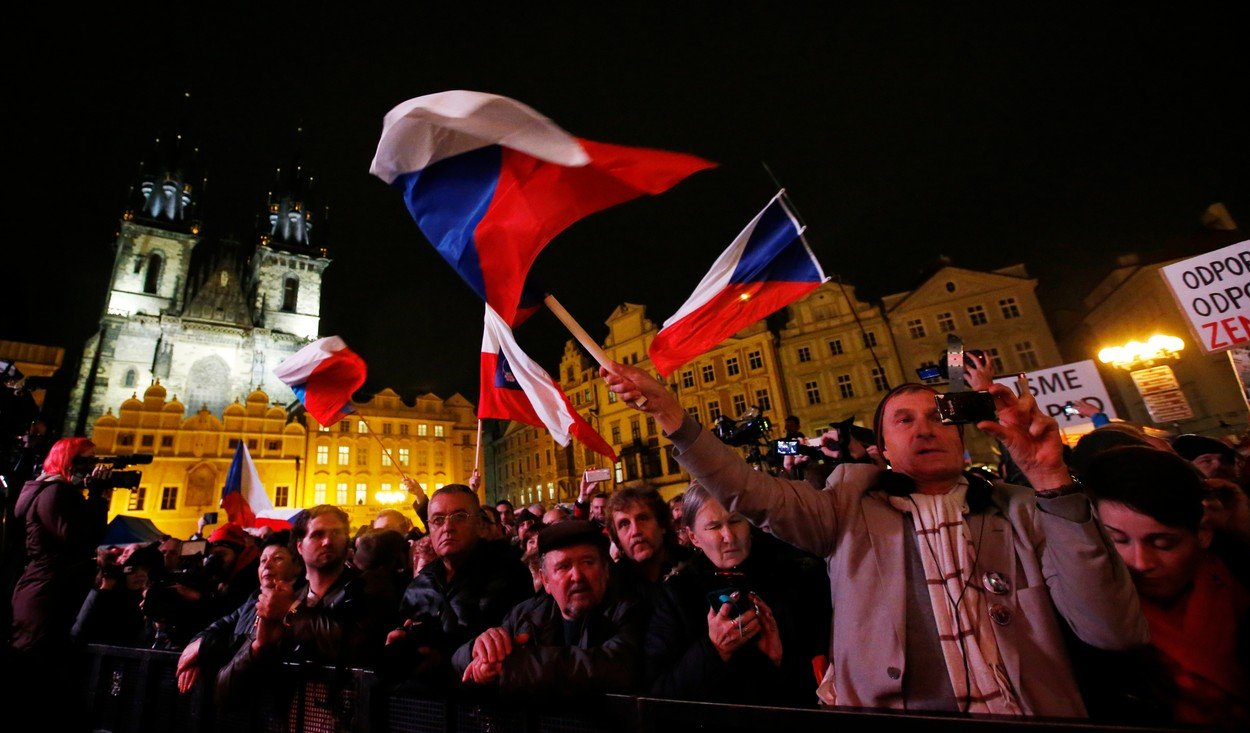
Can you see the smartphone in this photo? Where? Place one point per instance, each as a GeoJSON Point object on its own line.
{"type": "Point", "coordinates": [1070, 409]}
{"type": "Point", "coordinates": [961, 408]}
{"type": "Point", "coordinates": [193, 547]}
{"type": "Point", "coordinates": [597, 474]}
{"type": "Point", "coordinates": [718, 598]}
{"type": "Point", "coordinates": [210, 517]}
{"type": "Point", "coordinates": [788, 447]}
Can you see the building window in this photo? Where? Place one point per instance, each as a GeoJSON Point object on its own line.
{"type": "Point", "coordinates": [708, 373]}
{"type": "Point", "coordinates": [805, 354]}
{"type": "Point", "coordinates": [995, 360]}
{"type": "Point", "coordinates": [340, 493]}
{"type": "Point", "coordinates": [650, 425]}
{"type": "Point", "coordinates": [870, 339]}
{"type": "Point", "coordinates": [740, 404]}
{"type": "Point", "coordinates": [281, 495]}
{"type": "Point", "coordinates": [290, 293]}
{"type": "Point", "coordinates": [1009, 308]}
{"type": "Point", "coordinates": [423, 430]}
{"type": "Point", "coordinates": [323, 428]}
{"type": "Point", "coordinates": [362, 494]}
{"type": "Point", "coordinates": [845, 387]}
{"type": "Point", "coordinates": [879, 382]}
{"type": "Point", "coordinates": [323, 455]}
{"type": "Point", "coordinates": [915, 328]}
{"type": "Point", "coordinates": [946, 322]}
{"type": "Point", "coordinates": [167, 441]}
{"type": "Point", "coordinates": [131, 378]}
{"type": "Point", "coordinates": [731, 366]}
{"type": "Point", "coordinates": [619, 472]}
{"type": "Point", "coordinates": [386, 458]}
{"type": "Point", "coordinates": [345, 426]}
{"type": "Point", "coordinates": [274, 445]}
{"type": "Point", "coordinates": [612, 395]}
{"type": "Point", "coordinates": [138, 496]}
{"type": "Point", "coordinates": [976, 314]}
{"type": "Point", "coordinates": [319, 494]}
{"type": "Point", "coordinates": [438, 431]}
{"type": "Point", "coordinates": [128, 440]}
{"type": "Point", "coordinates": [755, 360]}
{"type": "Point", "coordinates": [835, 347]}
{"type": "Point", "coordinates": [693, 411]}
{"type": "Point", "coordinates": [635, 429]}
{"type": "Point", "coordinates": [762, 399]}
{"type": "Point", "coordinates": [616, 432]}
{"type": "Point", "coordinates": [362, 456]}
{"type": "Point", "coordinates": [1028, 357]}
{"type": "Point", "coordinates": [403, 456]}
{"type": "Point", "coordinates": [145, 441]}
{"type": "Point", "coordinates": [169, 497]}
{"type": "Point", "coordinates": [713, 410]}
{"type": "Point", "coordinates": [153, 277]}
{"type": "Point", "coordinates": [403, 429]}
{"type": "Point", "coordinates": [813, 393]}
{"type": "Point", "coordinates": [361, 427]}
{"type": "Point", "coordinates": [386, 428]}
{"type": "Point", "coordinates": [253, 444]}
{"type": "Point", "coordinates": [687, 378]}
{"type": "Point", "coordinates": [344, 455]}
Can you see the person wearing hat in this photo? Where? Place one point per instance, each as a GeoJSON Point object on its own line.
{"type": "Point", "coordinates": [1214, 458]}
{"type": "Point", "coordinates": [951, 592]}
{"type": "Point", "coordinates": [579, 637]}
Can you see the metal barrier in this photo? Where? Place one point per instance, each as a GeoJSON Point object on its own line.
{"type": "Point", "coordinates": [136, 691]}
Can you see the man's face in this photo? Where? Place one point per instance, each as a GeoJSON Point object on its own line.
{"type": "Point", "coordinates": [276, 563]}
{"type": "Point", "coordinates": [792, 426]}
{"type": "Point", "coordinates": [454, 524]}
{"type": "Point", "coordinates": [639, 533]}
{"type": "Point", "coordinates": [505, 514]}
{"type": "Point", "coordinates": [171, 550]}
{"type": "Point", "coordinates": [391, 521]}
{"type": "Point", "coordinates": [596, 507]}
{"type": "Point", "coordinates": [1214, 465]}
{"type": "Point", "coordinates": [917, 444]}
{"type": "Point", "coordinates": [325, 546]}
{"type": "Point", "coordinates": [577, 578]}
{"type": "Point", "coordinates": [1161, 559]}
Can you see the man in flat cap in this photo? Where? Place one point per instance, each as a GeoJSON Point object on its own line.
{"type": "Point", "coordinates": [579, 637]}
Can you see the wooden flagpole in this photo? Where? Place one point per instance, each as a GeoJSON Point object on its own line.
{"type": "Point", "coordinates": [578, 332]}
{"type": "Point", "coordinates": [477, 450]}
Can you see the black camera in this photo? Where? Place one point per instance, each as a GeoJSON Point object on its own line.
{"type": "Point", "coordinates": [749, 430]}
{"type": "Point", "coordinates": [960, 408]}
{"type": "Point", "coordinates": [117, 479]}
{"type": "Point", "coordinates": [942, 369]}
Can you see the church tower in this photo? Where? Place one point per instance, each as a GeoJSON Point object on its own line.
{"type": "Point", "coordinates": [289, 263]}
{"type": "Point", "coordinates": [151, 263]}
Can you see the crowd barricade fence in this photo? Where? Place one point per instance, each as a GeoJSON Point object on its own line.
{"type": "Point", "coordinates": [127, 690]}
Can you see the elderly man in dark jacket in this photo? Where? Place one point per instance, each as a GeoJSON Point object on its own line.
{"type": "Point", "coordinates": [578, 638]}
{"type": "Point", "coordinates": [469, 589]}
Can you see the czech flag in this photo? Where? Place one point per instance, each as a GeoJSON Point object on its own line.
{"type": "Point", "coordinates": [323, 375]}
{"type": "Point", "coordinates": [767, 267]}
{"type": "Point", "coordinates": [515, 388]}
{"type": "Point", "coordinates": [490, 182]}
{"type": "Point", "coordinates": [244, 495]}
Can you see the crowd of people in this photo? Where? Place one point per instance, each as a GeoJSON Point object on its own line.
{"type": "Point", "coordinates": [1108, 582]}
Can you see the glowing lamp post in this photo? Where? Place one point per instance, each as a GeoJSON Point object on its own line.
{"type": "Point", "coordinates": [1155, 382]}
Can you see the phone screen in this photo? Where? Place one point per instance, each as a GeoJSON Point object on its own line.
{"type": "Point", "coordinates": [788, 447]}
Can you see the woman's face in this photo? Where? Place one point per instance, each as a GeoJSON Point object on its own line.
{"type": "Point", "coordinates": [724, 538]}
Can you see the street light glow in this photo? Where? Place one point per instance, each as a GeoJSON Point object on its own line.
{"type": "Point", "coordinates": [1136, 353]}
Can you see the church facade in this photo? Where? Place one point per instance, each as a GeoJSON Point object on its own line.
{"type": "Point", "coordinates": [210, 320]}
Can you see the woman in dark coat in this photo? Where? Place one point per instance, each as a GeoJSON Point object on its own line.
{"type": "Point", "coordinates": [62, 529]}
{"type": "Point", "coordinates": [728, 627]}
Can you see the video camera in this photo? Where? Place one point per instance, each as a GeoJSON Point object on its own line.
{"type": "Point", "coordinates": [750, 429]}
{"type": "Point", "coordinates": [942, 369]}
{"type": "Point", "coordinates": [117, 479]}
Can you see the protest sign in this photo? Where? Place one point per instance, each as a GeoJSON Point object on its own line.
{"type": "Point", "coordinates": [1056, 386]}
{"type": "Point", "coordinates": [1213, 291]}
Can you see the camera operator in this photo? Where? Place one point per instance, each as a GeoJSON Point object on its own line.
{"type": "Point", "coordinates": [62, 530]}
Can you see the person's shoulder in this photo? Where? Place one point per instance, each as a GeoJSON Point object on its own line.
{"type": "Point", "coordinates": [853, 479]}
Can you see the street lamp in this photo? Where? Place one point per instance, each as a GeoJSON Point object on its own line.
{"type": "Point", "coordinates": [1135, 354]}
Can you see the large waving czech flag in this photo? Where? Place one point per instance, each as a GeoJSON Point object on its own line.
{"type": "Point", "coordinates": [490, 182]}
{"type": "Point", "coordinates": [514, 387]}
{"type": "Point", "coordinates": [323, 375]}
{"type": "Point", "coordinates": [767, 267]}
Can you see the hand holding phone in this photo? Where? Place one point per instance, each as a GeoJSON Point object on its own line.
{"type": "Point", "coordinates": [595, 475]}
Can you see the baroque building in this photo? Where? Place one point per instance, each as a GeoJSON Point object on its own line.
{"type": "Point", "coordinates": [210, 320]}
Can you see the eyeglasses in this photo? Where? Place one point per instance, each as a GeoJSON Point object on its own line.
{"type": "Point", "coordinates": [441, 520]}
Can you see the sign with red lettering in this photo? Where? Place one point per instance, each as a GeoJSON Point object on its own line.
{"type": "Point", "coordinates": [1057, 386]}
{"type": "Point", "coordinates": [1213, 291]}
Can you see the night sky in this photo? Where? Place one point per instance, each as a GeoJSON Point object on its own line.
{"type": "Point", "coordinates": [1054, 137]}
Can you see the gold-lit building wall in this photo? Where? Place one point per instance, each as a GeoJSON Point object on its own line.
{"type": "Point", "coordinates": [1132, 304]}
{"type": "Point", "coordinates": [301, 464]}
{"type": "Point", "coordinates": [432, 441]}
{"type": "Point", "coordinates": [192, 455]}
{"type": "Point", "coordinates": [830, 354]}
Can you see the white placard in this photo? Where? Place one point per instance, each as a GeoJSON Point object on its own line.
{"type": "Point", "coordinates": [1056, 386]}
{"type": "Point", "coordinates": [1213, 291]}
